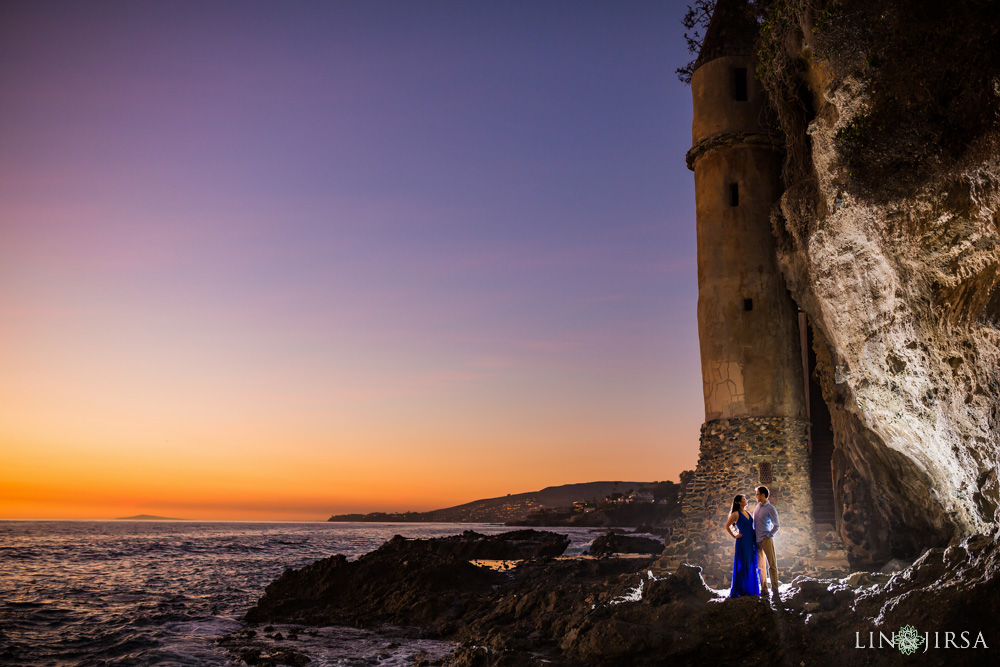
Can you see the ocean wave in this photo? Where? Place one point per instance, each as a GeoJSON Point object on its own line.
{"type": "Point", "coordinates": [106, 593]}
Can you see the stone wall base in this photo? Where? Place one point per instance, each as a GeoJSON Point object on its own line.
{"type": "Point", "coordinates": [729, 462]}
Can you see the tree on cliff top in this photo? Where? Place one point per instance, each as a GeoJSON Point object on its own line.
{"type": "Point", "coordinates": [698, 17]}
{"type": "Point", "coordinates": [695, 23]}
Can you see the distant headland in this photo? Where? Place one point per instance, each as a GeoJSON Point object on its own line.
{"type": "Point", "coordinates": [596, 504]}
{"type": "Point", "coordinates": [147, 517]}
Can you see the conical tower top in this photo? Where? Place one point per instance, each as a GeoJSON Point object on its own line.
{"type": "Point", "coordinates": [731, 32]}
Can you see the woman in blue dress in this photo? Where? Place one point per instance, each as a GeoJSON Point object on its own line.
{"type": "Point", "coordinates": [740, 525]}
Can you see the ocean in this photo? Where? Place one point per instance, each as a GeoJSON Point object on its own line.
{"type": "Point", "coordinates": [163, 592]}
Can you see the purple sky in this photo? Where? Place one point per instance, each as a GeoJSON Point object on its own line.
{"type": "Point", "coordinates": [410, 232]}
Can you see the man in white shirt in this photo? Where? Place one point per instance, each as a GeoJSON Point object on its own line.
{"type": "Point", "coordinates": [765, 524]}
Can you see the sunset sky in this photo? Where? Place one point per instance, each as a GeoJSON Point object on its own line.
{"type": "Point", "coordinates": [279, 260]}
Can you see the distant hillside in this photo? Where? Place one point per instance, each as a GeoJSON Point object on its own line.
{"type": "Point", "coordinates": [506, 508]}
{"type": "Point", "coordinates": [146, 517]}
{"type": "Point", "coordinates": [657, 517]}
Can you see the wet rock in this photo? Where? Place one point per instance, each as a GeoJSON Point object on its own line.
{"type": "Point", "coordinates": [427, 583]}
{"type": "Point", "coordinates": [275, 658]}
{"type": "Point", "coordinates": [244, 647]}
{"type": "Point", "coordinates": [613, 543]}
{"type": "Point", "coordinates": [391, 585]}
{"type": "Point", "coordinates": [578, 611]}
{"type": "Point", "coordinates": [470, 545]}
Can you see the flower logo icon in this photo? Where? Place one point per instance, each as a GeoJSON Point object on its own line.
{"type": "Point", "coordinates": [908, 640]}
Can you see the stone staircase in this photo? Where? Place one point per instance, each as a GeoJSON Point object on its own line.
{"type": "Point", "coordinates": [823, 510]}
{"type": "Point", "coordinates": [821, 479]}
{"type": "Point", "coordinates": [831, 557]}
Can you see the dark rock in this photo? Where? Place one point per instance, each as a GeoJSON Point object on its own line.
{"type": "Point", "coordinates": [613, 543]}
{"type": "Point", "coordinates": [613, 612]}
{"type": "Point", "coordinates": [470, 545]}
{"type": "Point", "coordinates": [251, 656]}
{"type": "Point", "coordinates": [425, 583]}
{"type": "Point", "coordinates": [241, 645]}
{"type": "Point", "coordinates": [386, 586]}
{"type": "Point", "coordinates": [685, 584]}
{"type": "Point", "coordinates": [895, 565]}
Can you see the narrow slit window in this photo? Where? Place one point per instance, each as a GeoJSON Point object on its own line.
{"type": "Point", "coordinates": [734, 194]}
{"type": "Point", "coordinates": [764, 472]}
{"type": "Point", "coordinates": [740, 84]}
{"type": "Point", "coordinates": [747, 305]}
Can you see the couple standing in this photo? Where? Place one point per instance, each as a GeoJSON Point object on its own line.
{"type": "Point", "coordinates": [754, 546]}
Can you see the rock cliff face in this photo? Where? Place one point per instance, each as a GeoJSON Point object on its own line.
{"type": "Point", "coordinates": [888, 240]}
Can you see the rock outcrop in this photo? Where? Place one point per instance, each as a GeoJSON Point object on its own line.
{"type": "Point", "coordinates": [470, 545]}
{"type": "Point", "coordinates": [576, 611]}
{"type": "Point", "coordinates": [425, 582]}
{"type": "Point", "coordinates": [615, 543]}
{"type": "Point", "coordinates": [888, 240]}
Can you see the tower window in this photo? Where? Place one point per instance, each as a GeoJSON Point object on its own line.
{"type": "Point", "coordinates": [734, 194]}
{"type": "Point", "coordinates": [740, 84]}
{"type": "Point", "coordinates": [747, 305]}
{"type": "Point", "coordinates": [764, 474]}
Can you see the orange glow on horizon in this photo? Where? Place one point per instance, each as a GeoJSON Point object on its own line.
{"type": "Point", "coordinates": [280, 262]}
{"type": "Point", "coordinates": [308, 478]}
{"type": "Point", "coordinates": [179, 446]}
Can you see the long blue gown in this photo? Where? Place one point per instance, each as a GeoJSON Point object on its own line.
{"type": "Point", "coordinates": [746, 581]}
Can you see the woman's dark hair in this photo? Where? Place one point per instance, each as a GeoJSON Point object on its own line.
{"type": "Point", "coordinates": [736, 501]}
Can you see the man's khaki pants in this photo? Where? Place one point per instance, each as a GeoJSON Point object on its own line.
{"type": "Point", "coordinates": [765, 548]}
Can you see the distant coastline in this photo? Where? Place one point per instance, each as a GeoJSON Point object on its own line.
{"type": "Point", "coordinates": [147, 517]}
{"type": "Point", "coordinates": [651, 505]}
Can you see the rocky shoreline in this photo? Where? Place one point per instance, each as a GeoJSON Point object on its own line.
{"type": "Point", "coordinates": [587, 610]}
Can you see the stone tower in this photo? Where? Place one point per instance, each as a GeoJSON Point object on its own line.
{"type": "Point", "coordinates": [756, 429]}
